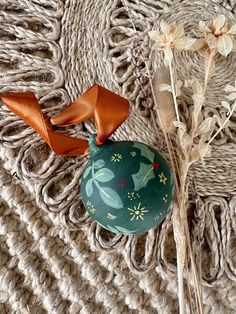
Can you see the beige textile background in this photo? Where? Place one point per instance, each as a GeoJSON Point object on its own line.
{"type": "Point", "coordinates": [53, 257]}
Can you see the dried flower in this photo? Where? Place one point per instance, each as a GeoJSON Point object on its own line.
{"type": "Point", "coordinates": [232, 90]}
{"type": "Point", "coordinates": [218, 35]}
{"type": "Point", "coordinates": [172, 37]}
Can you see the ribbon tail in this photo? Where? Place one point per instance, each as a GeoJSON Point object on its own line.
{"type": "Point", "coordinates": [26, 106]}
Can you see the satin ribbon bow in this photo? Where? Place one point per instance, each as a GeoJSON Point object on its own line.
{"type": "Point", "coordinates": [107, 109]}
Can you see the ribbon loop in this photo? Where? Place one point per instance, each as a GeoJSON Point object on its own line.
{"type": "Point", "coordinates": [107, 109]}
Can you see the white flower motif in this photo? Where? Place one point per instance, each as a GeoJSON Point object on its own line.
{"type": "Point", "coordinates": [138, 212]}
{"type": "Point", "coordinates": [116, 157]}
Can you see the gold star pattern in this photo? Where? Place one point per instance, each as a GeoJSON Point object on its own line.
{"type": "Point", "coordinates": [137, 212]}
{"type": "Point", "coordinates": [162, 178]}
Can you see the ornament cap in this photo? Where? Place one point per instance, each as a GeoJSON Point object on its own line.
{"type": "Point", "coordinates": [93, 147]}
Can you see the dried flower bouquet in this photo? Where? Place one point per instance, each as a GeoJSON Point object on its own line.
{"type": "Point", "coordinates": [189, 141]}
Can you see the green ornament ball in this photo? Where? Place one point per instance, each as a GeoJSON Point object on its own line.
{"type": "Point", "coordinates": [127, 187]}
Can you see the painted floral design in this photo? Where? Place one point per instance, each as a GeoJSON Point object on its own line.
{"type": "Point", "coordinates": [116, 157]}
{"type": "Point", "coordinates": [112, 197]}
{"type": "Point", "coordinates": [138, 212]}
{"type": "Point", "coordinates": [102, 175]}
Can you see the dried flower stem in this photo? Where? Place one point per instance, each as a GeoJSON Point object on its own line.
{"type": "Point", "coordinates": [189, 293]}
{"type": "Point", "coordinates": [179, 236]}
{"type": "Point", "coordinates": [209, 67]}
{"type": "Point", "coordinates": [164, 132]}
{"type": "Point", "coordinates": [173, 88]}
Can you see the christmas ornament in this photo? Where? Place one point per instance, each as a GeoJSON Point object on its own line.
{"type": "Point", "coordinates": [127, 187]}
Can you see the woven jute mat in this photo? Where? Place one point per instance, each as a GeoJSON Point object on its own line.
{"type": "Point", "coordinates": [53, 257]}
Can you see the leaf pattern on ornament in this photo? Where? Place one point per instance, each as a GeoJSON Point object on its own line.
{"type": "Point", "coordinates": [99, 164]}
{"type": "Point", "coordinates": [118, 229]}
{"type": "Point", "coordinates": [87, 171]}
{"type": "Point", "coordinates": [125, 231]}
{"type": "Point", "coordinates": [89, 187]}
{"type": "Point", "coordinates": [145, 151]}
{"type": "Point", "coordinates": [143, 176]}
{"type": "Point", "coordinates": [104, 175]}
{"type": "Point", "coordinates": [109, 196]}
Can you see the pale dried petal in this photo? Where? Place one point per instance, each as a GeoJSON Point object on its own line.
{"type": "Point", "coordinates": [194, 155]}
{"type": "Point", "coordinates": [203, 28]}
{"type": "Point", "coordinates": [204, 150]}
{"type": "Point", "coordinates": [184, 43]}
{"type": "Point", "coordinates": [232, 30]}
{"type": "Point", "coordinates": [178, 86]}
{"type": "Point", "coordinates": [226, 105]}
{"type": "Point", "coordinates": [165, 27]}
{"type": "Point", "coordinates": [198, 44]}
{"type": "Point", "coordinates": [185, 142]}
{"type": "Point", "coordinates": [180, 125]}
{"type": "Point", "coordinates": [231, 96]}
{"type": "Point", "coordinates": [230, 88]}
{"type": "Point", "coordinates": [211, 41]}
{"type": "Point", "coordinates": [206, 126]}
{"type": "Point", "coordinates": [178, 31]}
{"type": "Point", "coordinates": [219, 22]}
{"type": "Point", "coordinates": [219, 120]}
{"type": "Point", "coordinates": [165, 87]}
{"type": "Point", "coordinates": [225, 45]}
{"type": "Point", "coordinates": [154, 35]}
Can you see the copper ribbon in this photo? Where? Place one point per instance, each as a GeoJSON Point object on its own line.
{"type": "Point", "coordinates": [107, 109]}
